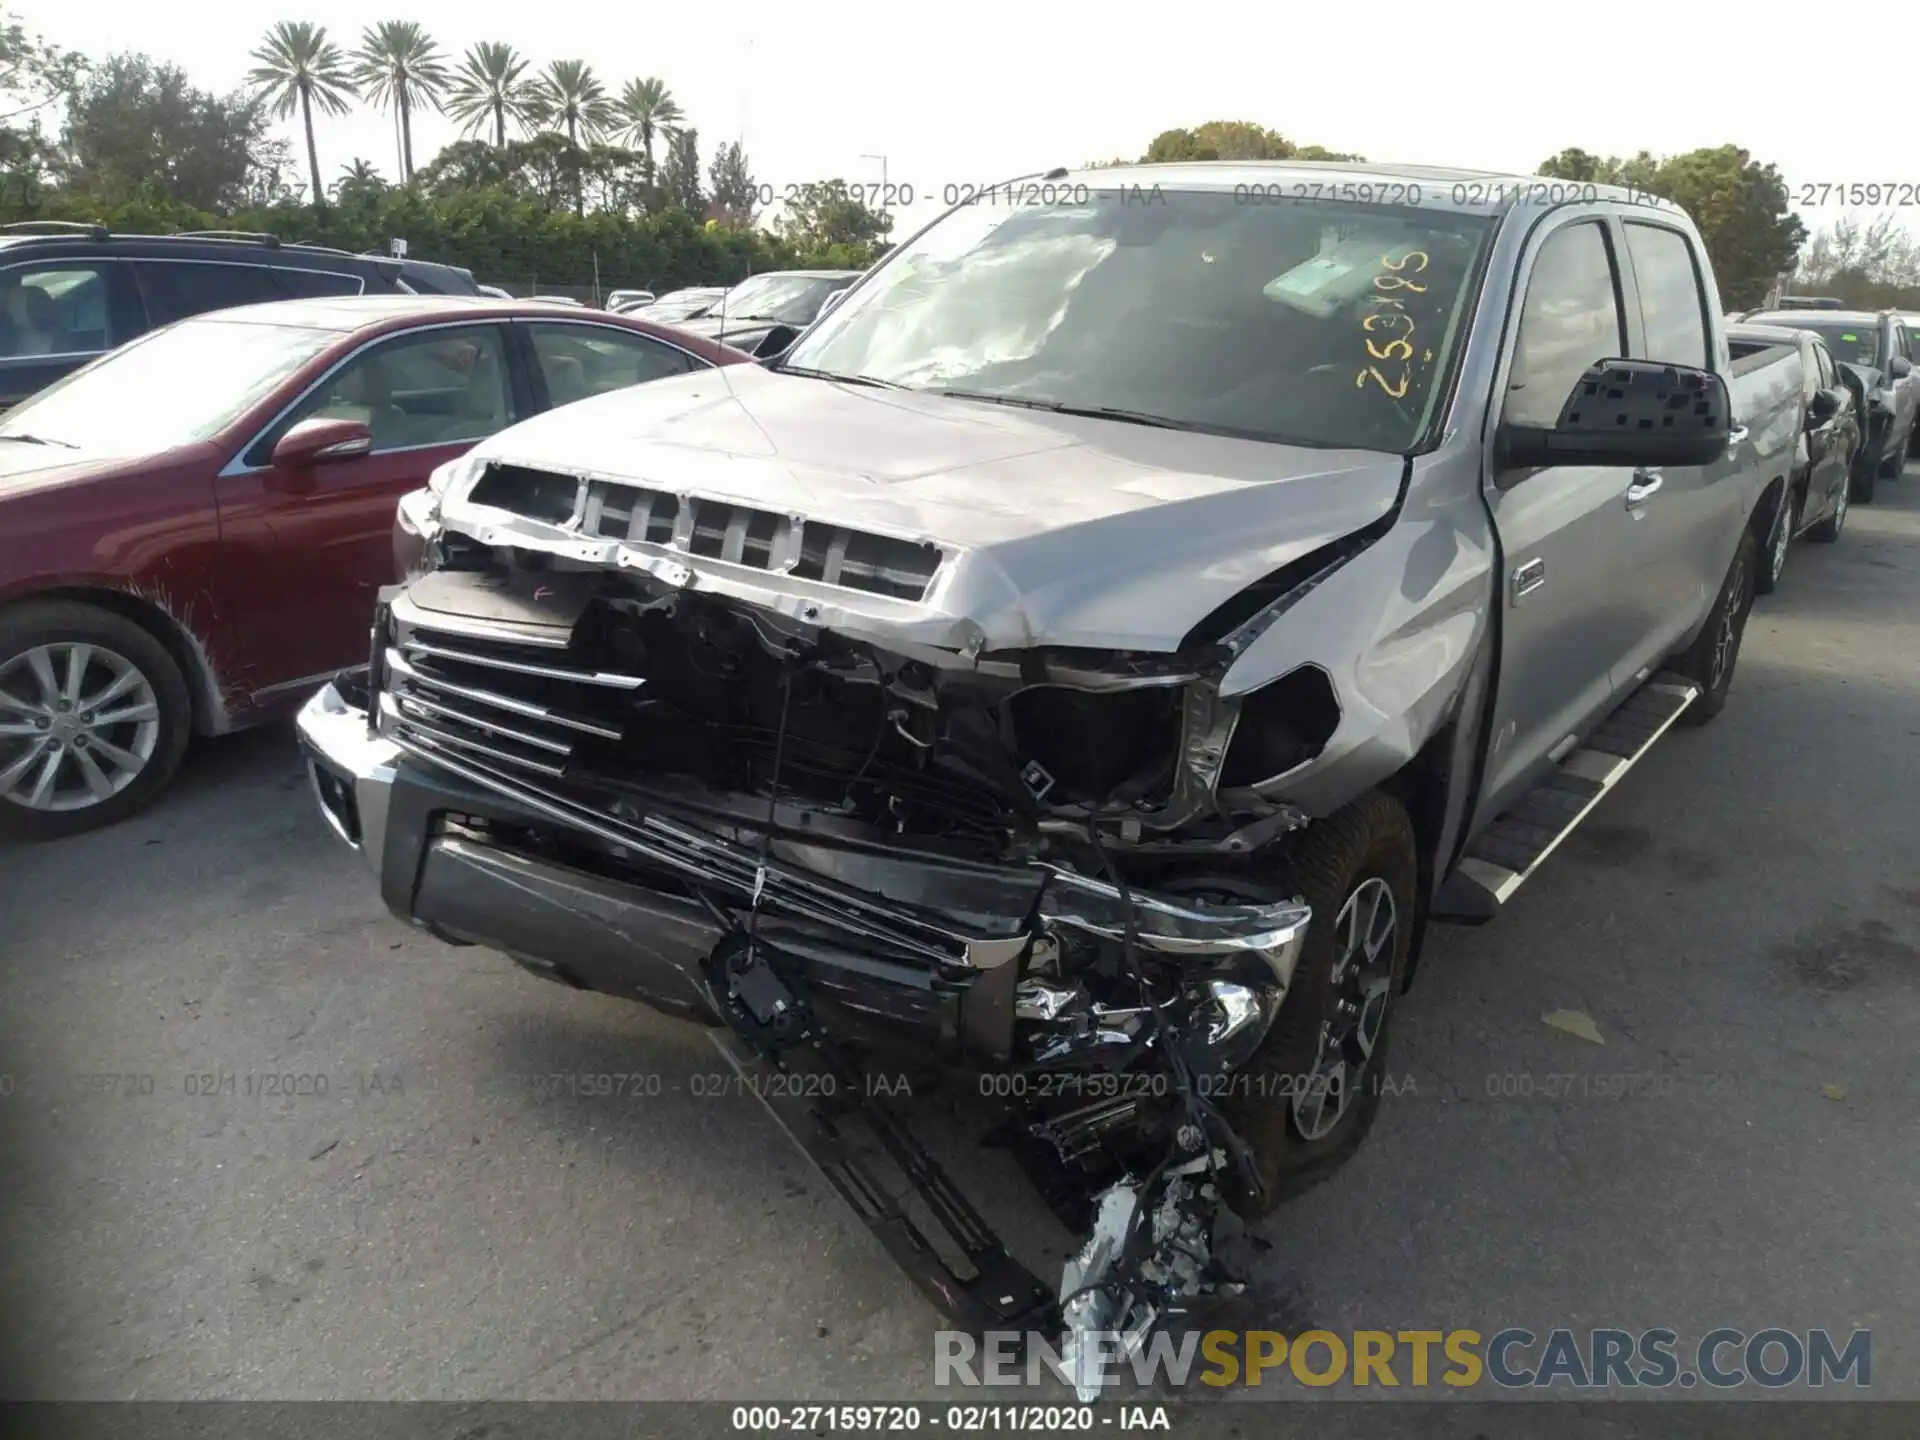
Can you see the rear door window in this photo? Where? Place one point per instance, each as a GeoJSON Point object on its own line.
{"type": "Point", "coordinates": [175, 289]}
{"type": "Point", "coordinates": [311, 284]}
{"type": "Point", "coordinates": [59, 308]}
{"type": "Point", "coordinates": [578, 361]}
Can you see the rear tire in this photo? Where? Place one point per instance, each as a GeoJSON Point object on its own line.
{"type": "Point", "coordinates": [65, 768]}
{"type": "Point", "coordinates": [1709, 662]}
{"type": "Point", "coordinates": [1357, 871]}
{"type": "Point", "coordinates": [1779, 541]}
{"type": "Point", "coordinates": [1828, 530]}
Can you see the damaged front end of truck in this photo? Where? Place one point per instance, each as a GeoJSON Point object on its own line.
{"type": "Point", "coordinates": [788, 776]}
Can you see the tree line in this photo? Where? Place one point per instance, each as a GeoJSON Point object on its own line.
{"type": "Point", "coordinates": [561, 175]}
{"type": "Point", "coordinates": [556, 175]}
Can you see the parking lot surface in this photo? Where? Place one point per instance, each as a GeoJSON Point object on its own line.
{"type": "Point", "coordinates": [263, 1140]}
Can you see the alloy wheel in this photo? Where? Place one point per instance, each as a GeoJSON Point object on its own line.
{"type": "Point", "coordinates": [1782, 539]}
{"type": "Point", "coordinates": [1726, 638]}
{"type": "Point", "coordinates": [1364, 938]}
{"type": "Point", "coordinates": [79, 723]}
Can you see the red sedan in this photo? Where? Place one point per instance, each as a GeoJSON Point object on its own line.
{"type": "Point", "coordinates": [193, 527]}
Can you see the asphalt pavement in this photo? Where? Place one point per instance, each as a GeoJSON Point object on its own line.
{"type": "Point", "coordinates": [261, 1140]}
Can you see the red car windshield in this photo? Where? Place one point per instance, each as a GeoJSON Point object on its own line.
{"type": "Point", "coordinates": [178, 386]}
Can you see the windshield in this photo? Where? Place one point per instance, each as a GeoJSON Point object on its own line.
{"type": "Point", "coordinates": [1856, 344]}
{"type": "Point", "coordinates": [680, 307]}
{"type": "Point", "coordinates": [787, 299]}
{"type": "Point", "coordinates": [1322, 324]}
{"type": "Point", "coordinates": [177, 386]}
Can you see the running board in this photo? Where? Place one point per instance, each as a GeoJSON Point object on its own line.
{"type": "Point", "coordinates": [1504, 857]}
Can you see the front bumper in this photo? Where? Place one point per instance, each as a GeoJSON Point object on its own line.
{"type": "Point", "coordinates": [439, 834]}
{"type": "Point", "coordinates": [351, 771]}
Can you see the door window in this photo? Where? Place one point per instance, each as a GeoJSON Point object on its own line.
{"type": "Point", "coordinates": [309, 284]}
{"type": "Point", "coordinates": [1673, 307]}
{"type": "Point", "coordinates": [56, 309]}
{"type": "Point", "coordinates": [579, 361]}
{"type": "Point", "coordinates": [1570, 320]}
{"type": "Point", "coordinates": [1828, 377]}
{"type": "Point", "coordinates": [438, 387]}
{"type": "Point", "coordinates": [175, 289]}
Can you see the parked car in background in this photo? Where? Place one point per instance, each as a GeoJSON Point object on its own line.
{"type": "Point", "coordinates": [1881, 346]}
{"type": "Point", "coordinates": [1827, 440]}
{"type": "Point", "coordinates": [71, 292]}
{"type": "Point", "coordinates": [196, 524]}
{"type": "Point", "coordinates": [495, 292]}
{"type": "Point", "coordinates": [621, 299]}
{"type": "Point", "coordinates": [764, 314]}
{"type": "Point", "coordinates": [1094, 652]}
{"type": "Point", "coordinates": [688, 304]}
{"type": "Point", "coordinates": [557, 300]}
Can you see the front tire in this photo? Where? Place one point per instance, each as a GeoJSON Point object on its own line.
{"type": "Point", "coordinates": [1711, 659]}
{"type": "Point", "coordinates": [1311, 1093]}
{"type": "Point", "coordinates": [94, 718]}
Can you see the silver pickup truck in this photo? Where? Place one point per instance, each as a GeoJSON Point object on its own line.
{"type": "Point", "coordinates": [1077, 671]}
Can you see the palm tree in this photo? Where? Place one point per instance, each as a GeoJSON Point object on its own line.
{"type": "Point", "coordinates": [570, 97]}
{"type": "Point", "coordinates": [300, 68]}
{"type": "Point", "coordinates": [488, 87]}
{"type": "Point", "coordinates": [647, 109]}
{"type": "Point", "coordinates": [399, 66]}
{"type": "Point", "coordinates": [358, 181]}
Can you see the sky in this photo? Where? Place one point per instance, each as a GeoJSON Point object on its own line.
{"type": "Point", "coordinates": [994, 89]}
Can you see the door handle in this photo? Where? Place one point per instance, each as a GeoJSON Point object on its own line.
{"type": "Point", "coordinates": [1646, 483]}
{"type": "Point", "coordinates": [1735, 436]}
{"type": "Point", "coordinates": [1528, 578]}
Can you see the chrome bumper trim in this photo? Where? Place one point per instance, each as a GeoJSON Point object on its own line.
{"type": "Point", "coordinates": [334, 735]}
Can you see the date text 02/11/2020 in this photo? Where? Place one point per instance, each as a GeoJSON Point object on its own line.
{"type": "Point", "coordinates": [961, 1419]}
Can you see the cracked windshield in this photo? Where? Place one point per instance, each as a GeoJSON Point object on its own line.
{"type": "Point", "coordinates": [1328, 325]}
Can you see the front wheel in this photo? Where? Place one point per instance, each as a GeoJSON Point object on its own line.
{"type": "Point", "coordinates": [1710, 661]}
{"type": "Point", "coordinates": [1309, 1096]}
{"type": "Point", "coordinates": [94, 717]}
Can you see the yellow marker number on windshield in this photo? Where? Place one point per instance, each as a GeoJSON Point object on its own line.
{"type": "Point", "coordinates": [1392, 346]}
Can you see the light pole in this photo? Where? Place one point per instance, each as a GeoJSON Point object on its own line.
{"type": "Point", "coordinates": [885, 193]}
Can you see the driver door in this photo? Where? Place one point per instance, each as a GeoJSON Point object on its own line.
{"type": "Point", "coordinates": [316, 542]}
{"type": "Point", "coordinates": [1571, 536]}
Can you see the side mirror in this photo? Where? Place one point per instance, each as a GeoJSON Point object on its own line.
{"type": "Point", "coordinates": [1629, 412]}
{"type": "Point", "coordinates": [1823, 407]}
{"type": "Point", "coordinates": [834, 299]}
{"type": "Point", "coordinates": [320, 441]}
{"type": "Point", "coordinates": [1900, 367]}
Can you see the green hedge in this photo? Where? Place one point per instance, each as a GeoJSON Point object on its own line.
{"type": "Point", "coordinates": [502, 238]}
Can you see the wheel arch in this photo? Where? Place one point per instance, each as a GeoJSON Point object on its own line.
{"type": "Point", "coordinates": [187, 650]}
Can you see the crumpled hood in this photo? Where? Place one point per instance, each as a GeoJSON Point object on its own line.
{"type": "Point", "coordinates": [1057, 530]}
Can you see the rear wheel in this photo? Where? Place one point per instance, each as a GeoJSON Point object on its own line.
{"type": "Point", "coordinates": [94, 717]}
{"type": "Point", "coordinates": [1778, 543]}
{"type": "Point", "coordinates": [1828, 530]}
{"type": "Point", "coordinates": [1710, 661]}
{"type": "Point", "coordinates": [1310, 1095]}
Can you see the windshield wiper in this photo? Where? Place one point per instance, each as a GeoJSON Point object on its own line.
{"type": "Point", "coordinates": [878, 384]}
{"type": "Point", "coordinates": [1096, 412]}
{"type": "Point", "coordinates": [41, 440]}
